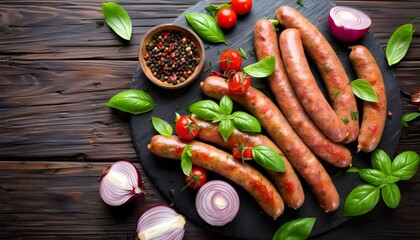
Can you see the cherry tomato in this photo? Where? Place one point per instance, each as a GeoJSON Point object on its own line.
{"type": "Point", "coordinates": [186, 128]}
{"type": "Point", "coordinates": [241, 6]}
{"type": "Point", "coordinates": [239, 83]}
{"type": "Point", "coordinates": [244, 153]}
{"type": "Point", "coordinates": [230, 60]}
{"type": "Point", "coordinates": [226, 17]}
{"type": "Point", "coordinates": [197, 178]}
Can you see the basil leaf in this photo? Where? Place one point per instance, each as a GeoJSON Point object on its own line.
{"type": "Point", "coordinates": [268, 158]}
{"type": "Point", "coordinates": [177, 116]}
{"type": "Point", "coordinates": [392, 179]}
{"type": "Point", "coordinates": [381, 161]}
{"type": "Point", "coordinates": [206, 27]}
{"type": "Point", "coordinates": [373, 176]}
{"type": "Point", "coordinates": [226, 105]}
{"type": "Point", "coordinates": [262, 68]}
{"type": "Point", "coordinates": [361, 200]}
{"type": "Point", "coordinates": [132, 101]}
{"type": "Point", "coordinates": [405, 165]}
{"type": "Point", "coordinates": [162, 127]}
{"type": "Point", "coordinates": [363, 90]}
{"type": "Point", "coordinates": [245, 122]}
{"type": "Point", "coordinates": [243, 53]}
{"type": "Point", "coordinates": [118, 19]}
{"type": "Point", "coordinates": [296, 229]}
{"type": "Point", "coordinates": [353, 170]}
{"type": "Point", "coordinates": [206, 109]}
{"type": "Point", "coordinates": [407, 117]}
{"type": "Point", "coordinates": [398, 44]}
{"type": "Point", "coordinates": [214, 9]}
{"type": "Point", "coordinates": [186, 160]}
{"type": "Point", "coordinates": [226, 128]}
{"type": "Point", "coordinates": [391, 195]}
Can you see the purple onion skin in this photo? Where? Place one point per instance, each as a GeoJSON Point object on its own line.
{"type": "Point", "coordinates": [345, 34]}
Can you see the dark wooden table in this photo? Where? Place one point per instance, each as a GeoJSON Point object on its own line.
{"type": "Point", "coordinates": [59, 65]}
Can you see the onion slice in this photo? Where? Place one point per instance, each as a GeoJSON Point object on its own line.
{"type": "Point", "coordinates": [348, 24]}
{"type": "Point", "coordinates": [217, 203]}
{"type": "Point", "coordinates": [160, 223]}
{"type": "Point", "coordinates": [120, 183]}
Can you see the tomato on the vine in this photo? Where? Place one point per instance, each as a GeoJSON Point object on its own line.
{"type": "Point", "coordinates": [241, 6]}
{"type": "Point", "coordinates": [230, 60]}
{"type": "Point", "coordinates": [226, 17]}
{"type": "Point", "coordinates": [243, 153]}
{"type": "Point", "coordinates": [186, 128]}
{"type": "Point", "coordinates": [197, 178]}
{"type": "Point", "coordinates": [239, 83]}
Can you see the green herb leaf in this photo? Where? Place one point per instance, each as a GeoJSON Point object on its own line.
{"type": "Point", "coordinates": [268, 158]}
{"type": "Point", "coordinates": [361, 200]}
{"type": "Point", "coordinates": [118, 19]}
{"type": "Point", "coordinates": [132, 101]}
{"type": "Point", "coordinates": [405, 165]}
{"type": "Point", "coordinates": [398, 44]}
{"type": "Point", "coordinates": [177, 116]}
{"type": "Point", "coordinates": [373, 176]}
{"type": "Point", "coordinates": [345, 120]}
{"type": "Point", "coordinates": [391, 195]}
{"type": "Point", "coordinates": [299, 2]}
{"type": "Point", "coordinates": [353, 170]}
{"type": "Point", "coordinates": [162, 126]}
{"type": "Point", "coordinates": [243, 53]}
{"type": "Point", "coordinates": [363, 90]}
{"type": "Point", "coordinates": [226, 105]}
{"type": "Point", "coordinates": [354, 115]}
{"type": "Point", "coordinates": [186, 160]}
{"type": "Point", "coordinates": [392, 179]}
{"type": "Point", "coordinates": [206, 27]}
{"type": "Point", "coordinates": [262, 68]}
{"type": "Point", "coordinates": [214, 9]}
{"type": "Point", "coordinates": [407, 117]}
{"type": "Point", "coordinates": [246, 122]}
{"type": "Point", "coordinates": [226, 128]}
{"type": "Point", "coordinates": [295, 230]}
{"type": "Point", "coordinates": [206, 109]}
{"type": "Point", "coordinates": [381, 161]}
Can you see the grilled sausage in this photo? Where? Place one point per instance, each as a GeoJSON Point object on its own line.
{"type": "Point", "coordinates": [224, 164]}
{"type": "Point", "coordinates": [329, 66]}
{"type": "Point", "coordinates": [266, 44]}
{"type": "Point", "coordinates": [287, 182]}
{"type": "Point", "coordinates": [270, 117]}
{"type": "Point", "coordinates": [374, 114]}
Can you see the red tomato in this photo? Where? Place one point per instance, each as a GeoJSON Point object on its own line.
{"type": "Point", "coordinates": [186, 128]}
{"type": "Point", "coordinates": [197, 178]}
{"type": "Point", "coordinates": [241, 6]}
{"type": "Point", "coordinates": [239, 83]}
{"type": "Point", "coordinates": [226, 17]}
{"type": "Point", "coordinates": [244, 153]}
{"type": "Point", "coordinates": [230, 60]}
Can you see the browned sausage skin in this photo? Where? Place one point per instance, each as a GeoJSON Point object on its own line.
{"type": "Point", "coordinates": [266, 44]}
{"type": "Point", "coordinates": [222, 163]}
{"type": "Point", "coordinates": [374, 114]}
{"type": "Point", "coordinates": [270, 117]}
{"type": "Point", "coordinates": [329, 66]}
{"type": "Point", "coordinates": [287, 182]}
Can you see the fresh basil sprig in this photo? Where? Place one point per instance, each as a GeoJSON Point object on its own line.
{"type": "Point", "coordinates": [214, 9]}
{"type": "Point", "coordinates": [363, 90]}
{"type": "Point", "coordinates": [206, 27]}
{"type": "Point", "coordinates": [295, 230]}
{"type": "Point", "coordinates": [132, 101]}
{"type": "Point", "coordinates": [162, 126]}
{"type": "Point", "coordinates": [268, 158]}
{"type": "Point", "coordinates": [221, 113]}
{"type": "Point", "coordinates": [407, 117]}
{"type": "Point", "coordinates": [186, 160]}
{"type": "Point", "coordinates": [399, 43]}
{"type": "Point", "coordinates": [118, 19]}
{"type": "Point", "coordinates": [263, 68]}
{"type": "Point", "coordinates": [381, 181]}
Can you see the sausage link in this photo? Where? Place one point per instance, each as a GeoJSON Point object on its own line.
{"type": "Point", "coordinates": [222, 163]}
{"type": "Point", "coordinates": [270, 117]}
{"type": "Point", "coordinates": [374, 114]}
{"type": "Point", "coordinates": [266, 44]}
{"type": "Point", "coordinates": [287, 183]}
{"type": "Point", "coordinates": [329, 66]}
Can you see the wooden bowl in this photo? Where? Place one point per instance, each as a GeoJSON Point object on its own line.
{"type": "Point", "coordinates": [185, 31]}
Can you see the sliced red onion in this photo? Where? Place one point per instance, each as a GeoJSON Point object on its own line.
{"type": "Point", "coordinates": [348, 24]}
{"type": "Point", "coordinates": [120, 183]}
{"type": "Point", "coordinates": [217, 203]}
{"type": "Point", "coordinates": [161, 223]}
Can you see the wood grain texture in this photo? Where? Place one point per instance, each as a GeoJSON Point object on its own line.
{"type": "Point", "coordinates": [59, 65]}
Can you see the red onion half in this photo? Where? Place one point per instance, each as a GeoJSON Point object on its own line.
{"type": "Point", "coordinates": [348, 24]}
{"type": "Point", "coordinates": [161, 223]}
{"type": "Point", "coordinates": [120, 183]}
{"type": "Point", "coordinates": [217, 203]}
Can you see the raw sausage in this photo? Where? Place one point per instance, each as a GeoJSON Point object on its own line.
{"type": "Point", "coordinates": [287, 182]}
{"type": "Point", "coordinates": [270, 117]}
{"type": "Point", "coordinates": [329, 66]}
{"type": "Point", "coordinates": [222, 163]}
{"type": "Point", "coordinates": [374, 114]}
{"type": "Point", "coordinates": [266, 44]}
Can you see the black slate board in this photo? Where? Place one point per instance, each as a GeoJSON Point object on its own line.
{"type": "Point", "coordinates": [251, 222]}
